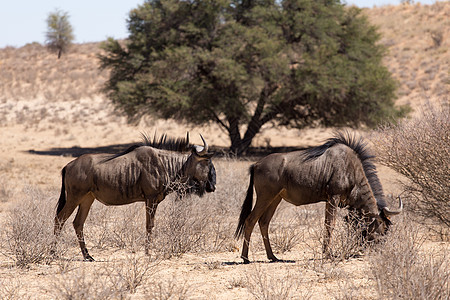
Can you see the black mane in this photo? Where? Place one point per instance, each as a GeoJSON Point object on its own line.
{"type": "Point", "coordinates": [167, 143]}
{"type": "Point", "coordinates": [163, 142]}
{"type": "Point", "coordinates": [366, 157]}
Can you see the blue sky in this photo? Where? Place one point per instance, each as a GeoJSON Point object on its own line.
{"type": "Point", "coordinates": [23, 21]}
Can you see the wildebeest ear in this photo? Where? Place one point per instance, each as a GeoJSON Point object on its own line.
{"type": "Point", "coordinates": [204, 156]}
{"type": "Point", "coordinates": [209, 155]}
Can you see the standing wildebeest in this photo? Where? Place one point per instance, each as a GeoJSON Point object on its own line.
{"type": "Point", "coordinates": [145, 172]}
{"type": "Point", "coordinates": [339, 172]}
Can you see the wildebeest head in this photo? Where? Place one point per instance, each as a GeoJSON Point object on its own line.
{"type": "Point", "coordinates": [381, 223]}
{"type": "Point", "coordinates": [200, 170]}
{"type": "Point", "coordinates": [374, 226]}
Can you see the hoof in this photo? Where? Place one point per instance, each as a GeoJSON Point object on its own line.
{"type": "Point", "coordinates": [246, 261]}
{"type": "Point", "coordinates": [274, 259]}
{"type": "Point", "coordinates": [88, 258]}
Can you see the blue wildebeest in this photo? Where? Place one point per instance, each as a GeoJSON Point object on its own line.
{"type": "Point", "coordinates": [145, 172]}
{"type": "Point", "coordinates": [340, 172]}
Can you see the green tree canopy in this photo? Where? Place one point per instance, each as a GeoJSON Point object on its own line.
{"type": "Point", "coordinates": [245, 63]}
{"type": "Point", "coordinates": [59, 33]}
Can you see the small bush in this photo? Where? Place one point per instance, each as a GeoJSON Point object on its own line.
{"type": "Point", "coordinates": [117, 227]}
{"type": "Point", "coordinates": [346, 239]}
{"type": "Point", "coordinates": [419, 149]}
{"type": "Point", "coordinates": [402, 271]}
{"type": "Point", "coordinates": [178, 229]}
{"type": "Point", "coordinates": [29, 230]}
{"type": "Point", "coordinates": [82, 284]}
{"type": "Point", "coordinates": [285, 236]}
{"type": "Point", "coordinates": [169, 289]}
{"type": "Point", "coordinates": [265, 287]}
{"type": "Point", "coordinates": [131, 273]}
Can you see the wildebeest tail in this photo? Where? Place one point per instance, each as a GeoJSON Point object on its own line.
{"type": "Point", "coordinates": [246, 206]}
{"type": "Point", "coordinates": [62, 196]}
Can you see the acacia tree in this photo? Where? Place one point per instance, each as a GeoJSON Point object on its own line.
{"type": "Point", "coordinates": [59, 35]}
{"type": "Point", "coordinates": [245, 63]}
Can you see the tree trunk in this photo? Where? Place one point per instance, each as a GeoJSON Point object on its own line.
{"type": "Point", "coordinates": [256, 122]}
{"type": "Point", "coordinates": [235, 135]}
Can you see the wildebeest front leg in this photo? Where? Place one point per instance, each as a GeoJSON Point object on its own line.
{"type": "Point", "coordinates": [330, 216]}
{"type": "Point", "coordinates": [150, 210]}
{"type": "Point", "coordinates": [264, 227]}
{"type": "Point", "coordinates": [78, 224]}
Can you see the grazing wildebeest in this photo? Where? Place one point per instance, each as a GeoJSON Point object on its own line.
{"type": "Point", "coordinates": [145, 172]}
{"type": "Point", "coordinates": [339, 172]}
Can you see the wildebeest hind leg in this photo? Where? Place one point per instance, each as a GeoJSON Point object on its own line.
{"type": "Point", "coordinates": [78, 224]}
{"type": "Point", "coordinates": [60, 219]}
{"type": "Point", "coordinates": [264, 227]}
{"type": "Point", "coordinates": [260, 207]}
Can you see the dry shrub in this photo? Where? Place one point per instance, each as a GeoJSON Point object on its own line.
{"type": "Point", "coordinates": [120, 227]}
{"type": "Point", "coordinates": [402, 271]}
{"type": "Point", "coordinates": [236, 282]}
{"type": "Point", "coordinates": [285, 228]}
{"type": "Point", "coordinates": [346, 239]}
{"type": "Point", "coordinates": [179, 228]}
{"type": "Point", "coordinates": [29, 231]}
{"type": "Point", "coordinates": [419, 149]}
{"type": "Point", "coordinates": [285, 236]}
{"type": "Point", "coordinates": [266, 287]}
{"type": "Point", "coordinates": [113, 280]}
{"type": "Point", "coordinates": [347, 289]}
{"type": "Point", "coordinates": [83, 284]}
{"type": "Point", "coordinates": [170, 289]}
{"type": "Point", "coordinates": [129, 274]}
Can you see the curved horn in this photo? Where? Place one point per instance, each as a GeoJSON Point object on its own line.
{"type": "Point", "coordinates": [202, 150]}
{"type": "Point", "coordinates": [388, 212]}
